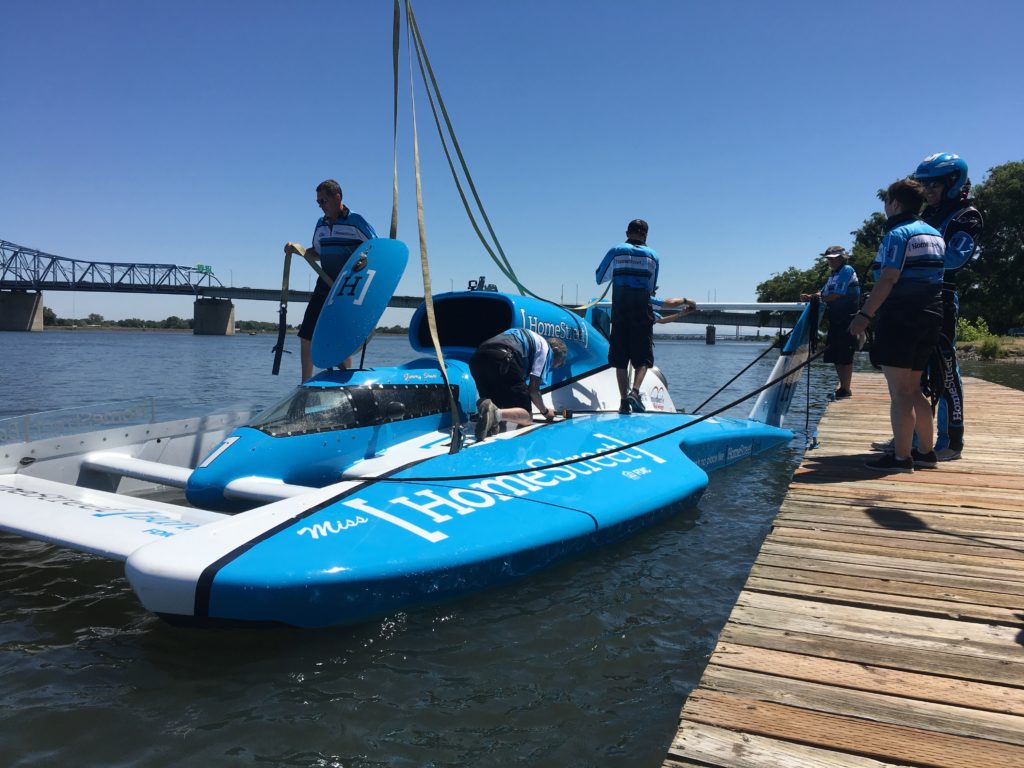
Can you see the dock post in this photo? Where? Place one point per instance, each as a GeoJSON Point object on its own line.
{"type": "Point", "coordinates": [709, 334]}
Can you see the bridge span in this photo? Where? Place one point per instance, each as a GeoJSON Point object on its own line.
{"type": "Point", "coordinates": [26, 272]}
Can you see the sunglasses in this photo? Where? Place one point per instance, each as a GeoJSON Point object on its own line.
{"type": "Point", "coordinates": [933, 183]}
{"type": "Point", "coordinates": [322, 200]}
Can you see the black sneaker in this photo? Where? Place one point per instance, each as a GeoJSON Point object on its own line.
{"type": "Point", "coordinates": [633, 398]}
{"type": "Point", "coordinates": [924, 460]}
{"type": "Point", "coordinates": [623, 406]}
{"type": "Point", "coordinates": [888, 462]}
{"type": "Point", "coordinates": [842, 394]}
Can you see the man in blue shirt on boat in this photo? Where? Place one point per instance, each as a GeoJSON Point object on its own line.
{"type": "Point", "coordinates": [509, 370]}
{"type": "Point", "coordinates": [841, 294]}
{"type": "Point", "coordinates": [633, 269]}
{"type": "Point", "coordinates": [338, 233]}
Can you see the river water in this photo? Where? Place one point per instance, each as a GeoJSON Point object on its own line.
{"type": "Point", "coordinates": [584, 665]}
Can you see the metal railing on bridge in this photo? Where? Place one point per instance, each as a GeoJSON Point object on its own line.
{"type": "Point", "coordinates": [27, 269]}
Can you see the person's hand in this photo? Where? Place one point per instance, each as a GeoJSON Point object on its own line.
{"type": "Point", "coordinates": [689, 306]}
{"type": "Point", "coordinates": [293, 249]}
{"type": "Point", "coordinates": [858, 325]}
{"type": "Point", "coordinates": [549, 414]}
{"type": "Point", "coordinates": [805, 297]}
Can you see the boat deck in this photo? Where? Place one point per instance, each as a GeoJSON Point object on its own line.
{"type": "Point", "coordinates": [883, 620]}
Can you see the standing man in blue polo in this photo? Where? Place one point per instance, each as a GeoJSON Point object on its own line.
{"type": "Point", "coordinates": [841, 294]}
{"type": "Point", "coordinates": [336, 236]}
{"type": "Point", "coordinates": [633, 269]}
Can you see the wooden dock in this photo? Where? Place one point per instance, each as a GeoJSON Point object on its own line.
{"type": "Point", "coordinates": [883, 621]}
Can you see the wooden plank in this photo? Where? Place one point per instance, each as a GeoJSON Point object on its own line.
{"type": "Point", "coordinates": [881, 741]}
{"type": "Point", "coordinates": [699, 744]}
{"type": "Point", "coordinates": [886, 581]}
{"type": "Point", "coordinates": [923, 543]}
{"type": "Point", "coordinates": [866, 705]}
{"type": "Point", "coordinates": [891, 655]}
{"type": "Point", "coordinates": [882, 627]}
{"type": "Point", "coordinates": [869, 677]}
{"type": "Point", "coordinates": [1013, 579]}
{"type": "Point", "coordinates": [880, 599]}
{"type": "Point", "coordinates": [797, 527]}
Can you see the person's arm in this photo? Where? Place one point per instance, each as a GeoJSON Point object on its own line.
{"type": "Point", "coordinates": [881, 291]}
{"type": "Point", "coordinates": [962, 237]}
{"type": "Point", "coordinates": [604, 271]}
{"type": "Point", "coordinates": [537, 400]}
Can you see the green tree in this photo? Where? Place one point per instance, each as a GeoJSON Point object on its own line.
{"type": "Point", "coordinates": [992, 286]}
{"type": "Point", "coordinates": [788, 285]}
{"type": "Point", "coordinates": [49, 317]}
{"type": "Point", "coordinates": [94, 319]}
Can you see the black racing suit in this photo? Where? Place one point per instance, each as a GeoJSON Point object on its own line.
{"type": "Point", "coordinates": [961, 226]}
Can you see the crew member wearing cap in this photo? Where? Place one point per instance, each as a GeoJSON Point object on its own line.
{"type": "Point", "coordinates": [841, 294]}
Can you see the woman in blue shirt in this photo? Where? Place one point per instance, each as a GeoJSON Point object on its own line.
{"type": "Point", "coordinates": [908, 299]}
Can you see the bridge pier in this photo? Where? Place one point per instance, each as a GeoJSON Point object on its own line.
{"type": "Point", "coordinates": [213, 317]}
{"type": "Point", "coordinates": [709, 334]}
{"type": "Point", "coordinates": [21, 311]}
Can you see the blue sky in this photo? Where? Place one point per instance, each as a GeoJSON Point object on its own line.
{"type": "Point", "coordinates": [749, 134]}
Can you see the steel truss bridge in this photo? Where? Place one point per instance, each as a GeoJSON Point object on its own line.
{"type": "Point", "coordinates": [26, 269]}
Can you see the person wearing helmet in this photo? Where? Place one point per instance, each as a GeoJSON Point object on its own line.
{"type": "Point", "coordinates": [841, 294]}
{"type": "Point", "coordinates": [948, 209]}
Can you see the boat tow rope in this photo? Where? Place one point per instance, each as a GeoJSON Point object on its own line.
{"type": "Point", "coordinates": [608, 452]}
{"type": "Point", "coordinates": [428, 298]}
{"type": "Point", "coordinates": [282, 312]}
{"type": "Point", "coordinates": [777, 343]}
{"type": "Point", "coordinates": [446, 133]}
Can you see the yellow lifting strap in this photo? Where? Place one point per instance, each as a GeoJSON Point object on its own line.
{"type": "Point", "coordinates": [428, 297]}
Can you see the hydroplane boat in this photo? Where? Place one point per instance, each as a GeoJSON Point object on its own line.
{"type": "Point", "coordinates": [348, 499]}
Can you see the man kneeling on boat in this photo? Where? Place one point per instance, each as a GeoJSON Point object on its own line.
{"type": "Point", "coordinates": [508, 370]}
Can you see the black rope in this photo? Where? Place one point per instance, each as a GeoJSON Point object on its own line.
{"type": "Point", "coordinates": [608, 452]}
{"type": "Point", "coordinates": [774, 344]}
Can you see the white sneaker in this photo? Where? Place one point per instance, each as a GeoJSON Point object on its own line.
{"type": "Point", "coordinates": [947, 454]}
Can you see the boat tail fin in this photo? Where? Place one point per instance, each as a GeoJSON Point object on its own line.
{"type": "Point", "coordinates": [773, 403]}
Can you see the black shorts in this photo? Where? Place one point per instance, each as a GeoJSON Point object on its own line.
{"type": "Point", "coordinates": [906, 335]}
{"type": "Point", "coordinates": [840, 345]}
{"type": "Point", "coordinates": [632, 337]}
{"type": "Point", "coordinates": [313, 309]}
{"type": "Point", "coordinates": [499, 375]}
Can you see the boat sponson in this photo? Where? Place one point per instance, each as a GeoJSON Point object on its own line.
{"type": "Point", "coordinates": [455, 524]}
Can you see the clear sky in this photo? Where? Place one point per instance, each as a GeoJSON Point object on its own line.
{"type": "Point", "coordinates": [749, 134]}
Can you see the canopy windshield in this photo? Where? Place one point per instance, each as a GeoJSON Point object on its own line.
{"type": "Point", "coordinates": [323, 409]}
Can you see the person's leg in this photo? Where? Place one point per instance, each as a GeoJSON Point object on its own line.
{"type": "Point", "coordinates": [638, 377]}
{"type": "Point", "coordinates": [924, 428]}
{"type": "Point", "coordinates": [901, 408]}
{"type": "Point", "coordinates": [845, 374]}
{"type": "Point", "coordinates": [518, 416]}
{"type": "Point", "coordinates": [306, 359]}
{"type": "Point", "coordinates": [622, 379]}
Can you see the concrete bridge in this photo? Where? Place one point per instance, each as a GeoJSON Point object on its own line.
{"type": "Point", "coordinates": [25, 273]}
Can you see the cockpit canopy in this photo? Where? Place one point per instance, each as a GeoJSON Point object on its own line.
{"type": "Point", "coordinates": [322, 409]}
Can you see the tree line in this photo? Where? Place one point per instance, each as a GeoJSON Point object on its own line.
{"type": "Point", "coordinates": [991, 286]}
{"type": "Point", "coordinates": [173, 322]}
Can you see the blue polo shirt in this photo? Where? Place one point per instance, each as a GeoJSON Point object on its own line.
{"type": "Point", "coordinates": [845, 286]}
{"type": "Point", "coordinates": [917, 250]}
{"type": "Point", "coordinates": [336, 241]}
